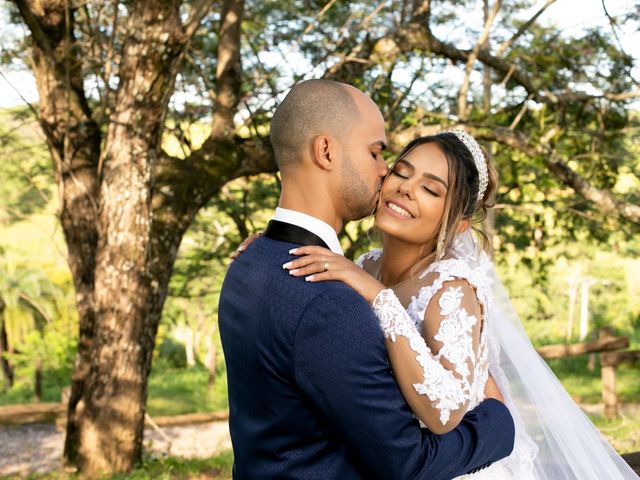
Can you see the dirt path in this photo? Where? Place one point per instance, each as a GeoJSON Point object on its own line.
{"type": "Point", "coordinates": [37, 448]}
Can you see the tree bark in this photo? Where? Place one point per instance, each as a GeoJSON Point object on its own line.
{"type": "Point", "coordinates": [128, 291]}
{"type": "Point", "coordinates": [38, 380]}
{"type": "Point", "coordinates": [120, 252]}
{"type": "Point", "coordinates": [210, 357]}
{"type": "Point", "coordinates": [7, 369]}
{"type": "Point", "coordinates": [73, 139]}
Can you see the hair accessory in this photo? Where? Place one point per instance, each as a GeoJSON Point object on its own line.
{"type": "Point", "coordinates": [478, 158]}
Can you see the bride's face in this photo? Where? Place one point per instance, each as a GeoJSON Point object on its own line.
{"type": "Point", "coordinates": [412, 198]}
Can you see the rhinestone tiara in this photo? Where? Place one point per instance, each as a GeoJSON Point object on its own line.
{"type": "Point", "coordinates": [478, 158]}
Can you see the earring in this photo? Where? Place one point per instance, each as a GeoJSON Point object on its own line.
{"type": "Point", "coordinates": [440, 245]}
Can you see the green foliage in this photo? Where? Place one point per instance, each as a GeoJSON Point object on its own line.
{"type": "Point", "coordinates": [176, 391]}
{"type": "Point", "coordinates": [546, 234]}
{"type": "Point", "coordinates": [172, 353]}
{"type": "Point", "coordinates": [26, 181]}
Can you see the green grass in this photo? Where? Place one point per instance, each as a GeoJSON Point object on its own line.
{"type": "Point", "coordinates": [174, 391]}
{"type": "Point", "coordinates": [585, 386]}
{"type": "Point", "coordinates": [623, 433]}
{"type": "Point", "coordinates": [218, 468]}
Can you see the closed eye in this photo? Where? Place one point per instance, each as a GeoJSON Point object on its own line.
{"type": "Point", "coordinates": [432, 192]}
{"type": "Point", "coordinates": [398, 174]}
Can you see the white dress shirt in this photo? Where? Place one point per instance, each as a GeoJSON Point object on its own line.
{"type": "Point", "coordinates": [312, 224]}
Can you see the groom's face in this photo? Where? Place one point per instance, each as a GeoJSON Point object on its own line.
{"type": "Point", "coordinates": [363, 167]}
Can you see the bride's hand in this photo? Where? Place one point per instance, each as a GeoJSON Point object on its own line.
{"type": "Point", "coordinates": [244, 245]}
{"type": "Point", "coordinates": [318, 264]}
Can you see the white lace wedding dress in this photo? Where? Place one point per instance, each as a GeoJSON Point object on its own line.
{"type": "Point", "coordinates": [454, 376]}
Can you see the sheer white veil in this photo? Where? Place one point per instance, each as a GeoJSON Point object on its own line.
{"type": "Point", "coordinates": [555, 440]}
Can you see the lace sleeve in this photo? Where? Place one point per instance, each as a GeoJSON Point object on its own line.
{"type": "Point", "coordinates": [371, 255]}
{"type": "Point", "coordinates": [451, 329]}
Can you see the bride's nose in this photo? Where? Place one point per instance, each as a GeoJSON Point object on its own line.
{"type": "Point", "coordinates": [404, 188]}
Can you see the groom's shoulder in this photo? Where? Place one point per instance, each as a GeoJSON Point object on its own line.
{"type": "Point", "coordinates": [262, 263]}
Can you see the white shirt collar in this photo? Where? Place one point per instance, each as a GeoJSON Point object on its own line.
{"type": "Point", "coordinates": [312, 224]}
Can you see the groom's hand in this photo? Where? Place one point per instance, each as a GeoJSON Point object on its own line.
{"type": "Point", "coordinates": [491, 390]}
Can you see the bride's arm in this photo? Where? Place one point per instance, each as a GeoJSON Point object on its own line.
{"type": "Point", "coordinates": [435, 372]}
{"type": "Point", "coordinates": [436, 386]}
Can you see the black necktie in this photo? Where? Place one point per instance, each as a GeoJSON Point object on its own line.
{"type": "Point", "coordinates": [287, 232]}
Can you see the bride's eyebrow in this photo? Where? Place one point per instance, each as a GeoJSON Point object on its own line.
{"type": "Point", "coordinates": [428, 175]}
{"type": "Point", "coordinates": [406, 163]}
{"type": "Point", "coordinates": [431, 176]}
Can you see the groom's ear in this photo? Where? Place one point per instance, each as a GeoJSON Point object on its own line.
{"type": "Point", "coordinates": [323, 151]}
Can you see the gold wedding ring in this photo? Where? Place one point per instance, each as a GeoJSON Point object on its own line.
{"type": "Point", "coordinates": [326, 266]}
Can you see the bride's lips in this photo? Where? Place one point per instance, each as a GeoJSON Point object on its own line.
{"type": "Point", "coordinates": [397, 209]}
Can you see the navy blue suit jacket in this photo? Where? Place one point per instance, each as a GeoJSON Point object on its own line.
{"type": "Point", "coordinates": [311, 392]}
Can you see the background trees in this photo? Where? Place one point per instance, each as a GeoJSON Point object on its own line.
{"type": "Point", "coordinates": [154, 110]}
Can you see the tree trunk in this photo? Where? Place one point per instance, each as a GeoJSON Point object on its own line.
{"type": "Point", "coordinates": [211, 355]}
{"type": "Point", "coordinates": [73, 139]}
{"type": "Point", "coordinates": [38, 380]}
{"type": "Point", "coordinates": [123, 211]}
{"type": "Point", "coordinates": [189, 347]}
{"type": "Point", "coordinates": [129, 293]}
{"type": "Point", "coordinates": [7, 369]}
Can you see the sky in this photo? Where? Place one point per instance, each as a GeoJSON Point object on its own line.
{"type": "Point", "coordinates": [570, 15]}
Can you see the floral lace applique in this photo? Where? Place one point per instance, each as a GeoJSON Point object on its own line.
{"type": "Point", "coordinates": [440, 385]}
{"type": "Point", "coordinates": [455, 331]}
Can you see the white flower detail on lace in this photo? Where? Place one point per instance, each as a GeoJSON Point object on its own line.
{"type": "Point", "coordinates": [455, 332]}
{"type": "Point", "coordinates": [440, 385]}
{"type": "Point", "coordinates": [450, 300]}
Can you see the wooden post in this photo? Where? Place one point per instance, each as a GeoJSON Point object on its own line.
{"type": "Point", "coordinates": [573, 292]}
{"type": "Point", "coordinates": [584, 309]}
{"type": "Point", "coordinates": [608, 375]}
{"type": "Point", "coordinates": [609, 391]}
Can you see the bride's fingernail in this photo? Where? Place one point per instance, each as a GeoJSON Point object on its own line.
{"type": "Point", "coordinates": [309, 278]}
{"type": "Point", "coordinates": [294, 271]}
{"type": "Point", "coordinates": [293, 251]}
{"type": "Point", "coordinates": [286, 265]}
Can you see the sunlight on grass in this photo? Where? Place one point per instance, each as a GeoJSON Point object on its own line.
{"type": "Point", "coordinates": [585, 386]}
{"type": "Point", "coordinates": [214, 468]}
{"type": "Point", "coordinates": [624, 432]}
{"type": "Point", "coordinates": [178, 391]}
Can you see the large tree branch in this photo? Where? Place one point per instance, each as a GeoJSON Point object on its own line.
{"type": "Point", "coordinates": [417, 35]}
{"type": "Point", "coordinates": [198, 10]}
{"type": "Point", "coordinates": [228, 72]}
{"type": "Point", "coordinates": [471, 59]}
{"type": "Point", "coordinates": [604, 200]}
{"type": "Point", "coordinates": [504, 46]}
{"type": "Point", "coordinates": [184, 186]}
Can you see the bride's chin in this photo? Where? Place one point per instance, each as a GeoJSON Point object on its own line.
{"type": "Point", "coordinates": [390, 228]}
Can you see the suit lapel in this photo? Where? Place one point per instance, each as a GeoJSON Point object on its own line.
{"type": "Point", "coordinates": [287, 232]}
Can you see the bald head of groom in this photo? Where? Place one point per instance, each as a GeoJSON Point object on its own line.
{"type": "Point", "coordinates": [328, 139]}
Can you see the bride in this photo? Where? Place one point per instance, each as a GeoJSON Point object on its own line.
{"type": "Point", "coordinates": [448, 322]}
